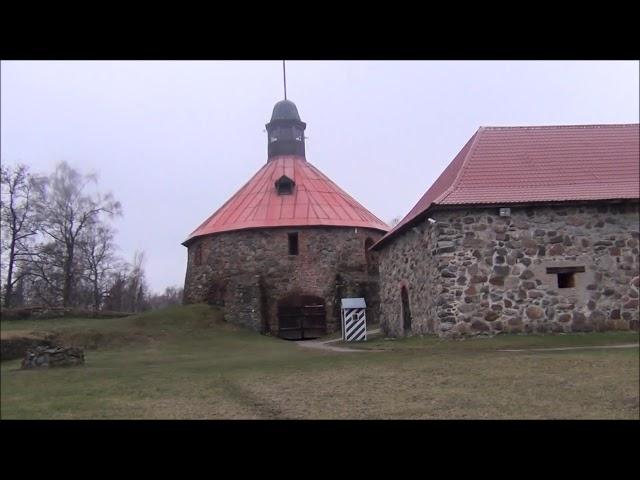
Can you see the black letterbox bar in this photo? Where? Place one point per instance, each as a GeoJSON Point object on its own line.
{"type": "Point", "coordinates": [564, 269]}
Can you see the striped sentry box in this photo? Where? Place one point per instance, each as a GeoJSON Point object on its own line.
{"type": "Point", "coordinates": [354, 319]}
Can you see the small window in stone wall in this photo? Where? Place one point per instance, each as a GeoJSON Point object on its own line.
{"type": "Point", "coordinates": [293, 243]}
{"type": "Point", "coordinates": [566, 275]}
{"type": "Point", "coordinates": [566, 280]}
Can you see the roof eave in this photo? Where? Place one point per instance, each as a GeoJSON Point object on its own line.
{"type": "Point", "coordinates": [402, 228]}
{"type": "Point", "coordinates": [190, 240]}
{"type": "Point", "coordinates": [453, 206]}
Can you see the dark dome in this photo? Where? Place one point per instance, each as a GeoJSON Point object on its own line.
{"type": "Point", "coordinates": [285, 110]}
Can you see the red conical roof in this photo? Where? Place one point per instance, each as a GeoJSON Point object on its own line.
{"type": "Point", "coordinates": [315, 201]}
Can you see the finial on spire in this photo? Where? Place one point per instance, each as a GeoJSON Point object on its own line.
{"type": "Point", "coordinates": [284, 76]}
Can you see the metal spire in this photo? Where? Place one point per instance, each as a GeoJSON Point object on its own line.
{"type": "Point", "coordinates": [284, 75]}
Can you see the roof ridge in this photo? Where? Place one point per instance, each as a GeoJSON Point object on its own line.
{"type": "Point", "coordinates": [516, 187]}
{"type": "Point", "coordinates": [550, 127]}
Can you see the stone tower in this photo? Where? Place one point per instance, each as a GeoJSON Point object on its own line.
{"type": "Point", "coordinates": [283, 250]}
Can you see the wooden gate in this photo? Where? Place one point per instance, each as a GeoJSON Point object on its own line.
{"type": "Point", "coordinates": [301, 317]}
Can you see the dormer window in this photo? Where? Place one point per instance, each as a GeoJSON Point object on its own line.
{"type": "Point", "coordinates": [284, 185]}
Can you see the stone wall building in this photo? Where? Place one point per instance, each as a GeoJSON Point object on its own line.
{"type": "Point", "coordinates": [283, 250]}
{"type": "Point", "coordinates": [529, 229]}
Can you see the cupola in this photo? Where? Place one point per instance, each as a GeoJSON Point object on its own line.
{"type": "Point", "coordinates": [285, 131]}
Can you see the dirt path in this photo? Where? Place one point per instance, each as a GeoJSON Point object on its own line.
{"type": "Point", "coordinates": [11, 334]}
{"type": "Point", "coordinates": [626, 345]}
{"type": "Point", "coordinates": [325, 345]}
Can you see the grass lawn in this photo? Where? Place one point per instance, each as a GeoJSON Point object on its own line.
{"type": "Point", "coordinates": [185, 363]}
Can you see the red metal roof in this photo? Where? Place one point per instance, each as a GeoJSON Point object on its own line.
{"type": "Point", "coordinates": [315, 200]}
{"type": "Point", "coordinates": [502, 165]}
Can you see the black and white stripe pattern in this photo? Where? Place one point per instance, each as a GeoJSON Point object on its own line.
{"type": "Point", "coordinates": [354, 324]}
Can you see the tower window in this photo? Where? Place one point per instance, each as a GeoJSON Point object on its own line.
{"type": "Point", "coordinates": [284, 185]}
{"type": "Point", "coordinates": [566, 275]}
{"type": "Point", "coordinates": [293, 243]}
{"type": "Point", "coordinates": [285, 133]}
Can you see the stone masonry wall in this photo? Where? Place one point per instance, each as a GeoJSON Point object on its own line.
{"type": "Point", "coordinates": [473, 271]}
{"type": "Point", "coordinates": [249, 271]}
{"type": "Point", "coordinates": [409, 261]}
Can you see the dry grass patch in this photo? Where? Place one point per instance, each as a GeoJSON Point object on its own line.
{"type": "Point", "coordinates": [194, 366]}
{"type": "Point", "coordinates": [495, 386]}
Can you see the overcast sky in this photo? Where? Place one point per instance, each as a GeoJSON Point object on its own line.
{"type": "Point", "coordinates": [173, 140]}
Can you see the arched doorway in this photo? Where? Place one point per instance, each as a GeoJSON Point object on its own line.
{"type": "Point", "coordinates": [301, 317]}
{"type": "Point", "coordinates": [406, 310]}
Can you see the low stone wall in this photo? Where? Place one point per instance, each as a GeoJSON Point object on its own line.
{"type": "Point", "coordinates": [41, 313]}
{"type": "Point", "coordinates": [473, 271]}
{"type": "Point", "coordinates": [17, 347]}
{"type": "Point", "coordinates": [50, 357]}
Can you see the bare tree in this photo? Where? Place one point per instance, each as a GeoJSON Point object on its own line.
{"type": "Point", "coordinates": [97, 248]}
{"type": "Point", "coordinates": [18, 219]}
{"type": "Point", "coordinates": [66, 210]}
{"type": "Point", "coordinates": [137, 285]}
{"type": "Point", "coordinates": [394, 221]}
{"type": "Point", "coordinates": [45, 271]}
{"type": "Point", "coordinates": [128, 287]}
{"type": "Point", "coordinates": [115, 297]}
{"type": "Point", "coordinates": [170, 296]}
